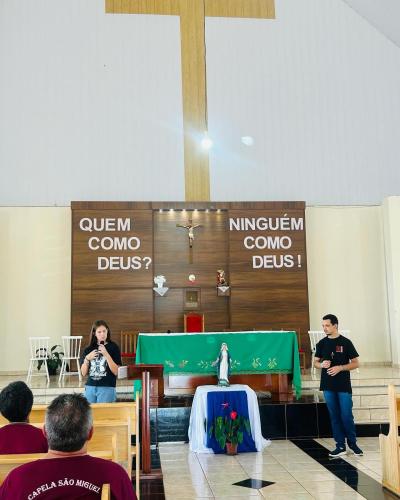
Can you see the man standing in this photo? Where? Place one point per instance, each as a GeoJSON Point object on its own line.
{"type": "Point", "coordinates": [336, 356]}
{"type": "Point", "coordinates": [67, 471]}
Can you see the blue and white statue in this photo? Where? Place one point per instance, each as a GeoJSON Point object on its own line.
{"type": "Point", "coordinates": [223, 363]}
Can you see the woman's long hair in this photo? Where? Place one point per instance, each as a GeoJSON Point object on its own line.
{"type": "Point", "coordinates": [93, 339]}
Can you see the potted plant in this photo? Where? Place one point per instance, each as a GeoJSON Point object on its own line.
{"type": "Point", "coordinates": [54, 358]}
{"type": "Point", "coordinates": [229, 430]}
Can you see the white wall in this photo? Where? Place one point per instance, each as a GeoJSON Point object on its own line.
{"type": "Point", "coordinates": [346, 275]}
{"type": "Point", "coordinates": [90, 104]}
{"type": "Point", "coordinates": [35, 277]}
{"type": "Point", "coordinates": [318, 90]}
{"type": "Point", "coordinates": [384, 15]}
{"type": "Point", "coordinates": [345, 271]}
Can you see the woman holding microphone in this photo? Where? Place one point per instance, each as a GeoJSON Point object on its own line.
{"type": "Point", "coordinates": [100, 361]}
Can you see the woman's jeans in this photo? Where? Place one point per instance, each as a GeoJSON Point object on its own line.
{"type": "Point", "coordinates": [96, 394]}
{"type": "Point", "coordinates": [340, 406]}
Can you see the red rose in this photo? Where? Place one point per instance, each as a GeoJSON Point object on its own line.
{"type": "Point", "coordinates": [233, 414]}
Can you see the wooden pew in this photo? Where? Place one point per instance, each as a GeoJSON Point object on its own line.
{"type": "Point", "coordinates": [123, 411]}
{"type": "Point", "coordinates": [36, 416]}
{"type": "Point", "coordinates": [118, 413]}
{"type": "Point", "coordinates": [100, 442]}
{"type": "Point", "coordinates": [113, 436]}
{"type": "Point", "coordinates": [105, 492]}
{"type": "Point", "coordinates": [106, 429]}
{"type": "Point", "coordinates": [135, 449]}
{"type": "Point", "coordinates": [101, 411]}
{"type": "Point", "coordinates": [390, 445]}
{"type": "Point", "coordinates": [104, 442]}
{"type": "Point", "coordinates": [10, 462]}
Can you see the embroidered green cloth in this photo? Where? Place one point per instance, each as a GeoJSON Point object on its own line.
{"type": "Point", "coordinates": [251, 352]}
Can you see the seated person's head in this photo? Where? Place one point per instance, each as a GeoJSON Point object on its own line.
{"type": "Point", "coordinates": [16, 402]}
{"type": "Point", "coordinates": [68, 423]}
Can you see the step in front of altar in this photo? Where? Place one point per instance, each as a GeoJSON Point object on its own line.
{"type": "Point", "coordinates": [370, 401]}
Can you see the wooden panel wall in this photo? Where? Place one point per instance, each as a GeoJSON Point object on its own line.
{"type": "Point", "coordinates": [104, 242]}
{"type": "Point", "coordinates": [268, 269]}
{"type": "Point", "coordinates": [268, 285]}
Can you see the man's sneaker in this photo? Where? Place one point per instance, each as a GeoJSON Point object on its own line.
{"type": "Point", "coordinates": [337, 452]}
{"type": "Point", "coordinates": [356, 450]}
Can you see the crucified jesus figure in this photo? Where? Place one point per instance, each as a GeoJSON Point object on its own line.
{"type": "Point", "coordinates": [190, 227]}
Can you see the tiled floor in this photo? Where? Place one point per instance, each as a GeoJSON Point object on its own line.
{"type": "Point", "coordinates": [296, 475]}
{"type": "Point", "coordinates": [370, 463]}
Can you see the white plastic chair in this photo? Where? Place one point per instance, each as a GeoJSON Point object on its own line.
{"type": "Point", "coordinates": [72, 351]}
{"type": "Point", "coordinates": [315, 337]}
{"type": "Point", "coordinates": [39, 347]}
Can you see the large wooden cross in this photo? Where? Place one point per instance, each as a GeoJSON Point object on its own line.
{"type": "Point", "coordinates": [192, 15]}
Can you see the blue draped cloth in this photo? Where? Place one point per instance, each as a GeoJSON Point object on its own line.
{"type": "Point", "coordinates": [220, 404]}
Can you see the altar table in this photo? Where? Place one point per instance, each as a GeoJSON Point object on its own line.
{"type": "Point", "coordinates": [262, 352]}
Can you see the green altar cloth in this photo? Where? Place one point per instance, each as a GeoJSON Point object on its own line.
{"type": "Point", "coordinates": [194, 353]}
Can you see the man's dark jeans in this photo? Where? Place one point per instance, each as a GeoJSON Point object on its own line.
{"type": "Point", "coordinates": [340, 406]}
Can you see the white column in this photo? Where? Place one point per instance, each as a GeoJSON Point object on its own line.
{"type": "Point", "coordinates": [391, 228]}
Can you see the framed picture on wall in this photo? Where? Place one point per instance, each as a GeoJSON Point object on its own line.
{"type": "Point", "coordinates": [191, 299]}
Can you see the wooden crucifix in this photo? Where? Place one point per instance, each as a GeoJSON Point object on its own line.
{"type": "Point", "coordinates": [192, 15]}
{"type": "Point", "coordinates": [190, 227]}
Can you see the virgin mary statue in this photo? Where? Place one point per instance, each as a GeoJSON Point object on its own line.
{"type": "Point", "coordinates": [223, 363]}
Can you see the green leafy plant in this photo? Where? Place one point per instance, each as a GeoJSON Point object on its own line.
{"type": "Point", "coordinates": [230, 428]}
{"type": "Point", "coordinates": [54, 358]}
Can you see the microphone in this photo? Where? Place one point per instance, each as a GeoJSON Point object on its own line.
{"type": "Point", "coordinates": [99, 353]}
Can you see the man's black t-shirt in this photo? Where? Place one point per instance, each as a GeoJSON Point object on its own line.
{"type": "Point", "coordinates": [338, 351]}
{"type": "Point", "coordinates": [99, 372]}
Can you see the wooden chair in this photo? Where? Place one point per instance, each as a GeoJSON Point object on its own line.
{"type": "Point", "coordinates": [106, 492]}
{"type": "Point", "coordinates": [193, 322]}
{"type": "Point", "coordinates": [128, 343]}
{"type": "Point", "coordinates": [390, 445]}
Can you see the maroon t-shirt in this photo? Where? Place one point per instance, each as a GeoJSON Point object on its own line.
{"type": "Point", "coordinates": [22, 438]}
{"type": "Point", "coordinates": [69, 478]}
